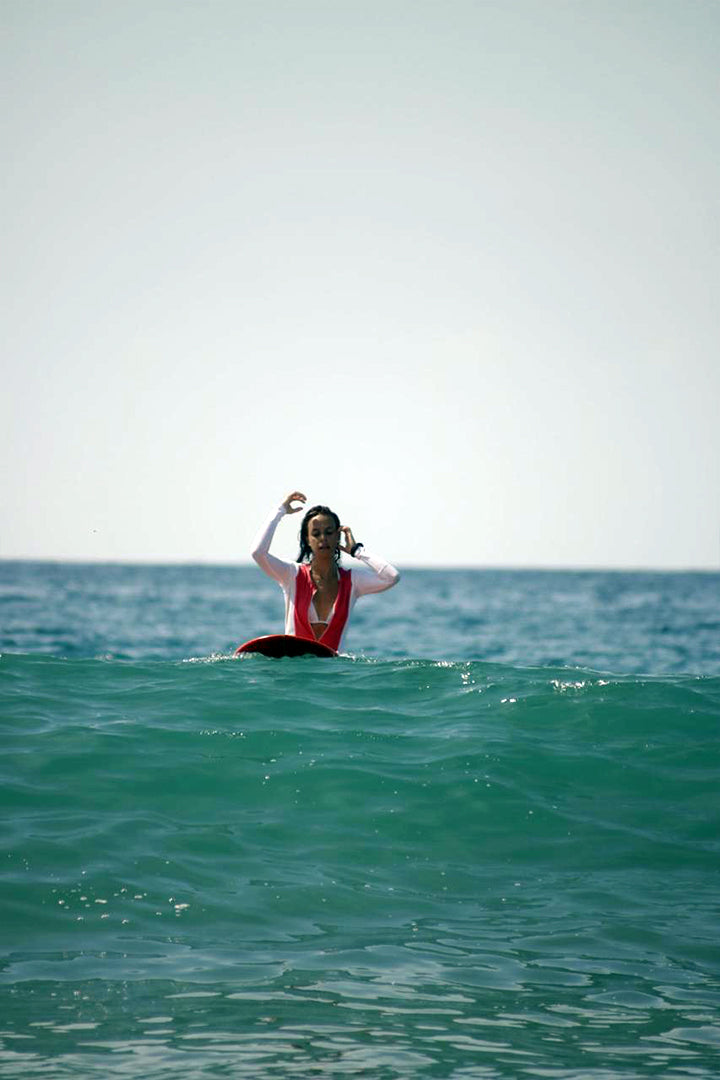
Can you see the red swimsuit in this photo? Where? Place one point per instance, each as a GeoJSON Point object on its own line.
{"type": "Point", "coordinates": [303, 595]}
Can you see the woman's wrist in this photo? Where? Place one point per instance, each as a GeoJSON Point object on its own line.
{"type": "Point", "coordinates": [355, 548]}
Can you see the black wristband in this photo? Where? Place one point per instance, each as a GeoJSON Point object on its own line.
{"type": "Point", "coordinates": [354, 548]}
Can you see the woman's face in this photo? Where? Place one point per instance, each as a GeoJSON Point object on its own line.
{"type": "Point", "coordinates": [323, 535]}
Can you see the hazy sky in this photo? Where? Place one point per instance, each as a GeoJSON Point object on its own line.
{"type": "Point", "coordinates": [450, 267]}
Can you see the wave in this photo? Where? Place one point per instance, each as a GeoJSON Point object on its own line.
{"type": "Point", "coordinates": [460, 858]}
{"type": "Point", "coordinates": [527, 762]}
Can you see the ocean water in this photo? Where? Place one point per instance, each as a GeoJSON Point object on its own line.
{"type": "Point", "coordinates": [483, 843]}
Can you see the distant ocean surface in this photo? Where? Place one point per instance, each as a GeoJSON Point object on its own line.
{"type": "Point", "coordinates": [484, 843]}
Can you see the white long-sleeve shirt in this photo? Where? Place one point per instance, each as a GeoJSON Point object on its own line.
{"type": "Point", "coordinates": [375, 575]}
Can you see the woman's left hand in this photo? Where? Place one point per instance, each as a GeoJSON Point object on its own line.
{"type": "Point", "coordinates": [349, 539]}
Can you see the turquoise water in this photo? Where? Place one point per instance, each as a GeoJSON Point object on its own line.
{"type": "Point", "coordinates": [483, 844]}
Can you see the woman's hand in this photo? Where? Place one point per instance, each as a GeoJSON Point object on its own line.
{"type": "Point", "coordinates": [295, 496]}
{"type": "Point", "coordinates": [349, 539]}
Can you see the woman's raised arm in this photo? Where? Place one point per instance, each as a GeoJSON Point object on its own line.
{"type": "Point", "coordinates": [278, 569]}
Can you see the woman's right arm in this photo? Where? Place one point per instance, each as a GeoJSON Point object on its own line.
{"type": "Point", "coordinates": [282, 571]}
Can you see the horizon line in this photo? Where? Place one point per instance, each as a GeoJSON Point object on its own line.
{"type": "Point", "coordinates": [77, 560]}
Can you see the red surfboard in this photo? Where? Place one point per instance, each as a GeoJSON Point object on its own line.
{"type": "Point", "coordinates": [278, 645]}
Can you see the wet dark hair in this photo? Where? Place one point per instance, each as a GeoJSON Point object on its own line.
{"type": "Point", "coordinates": [305, 551]}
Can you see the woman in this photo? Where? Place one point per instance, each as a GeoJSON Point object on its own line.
{"type": "Point", "coordinates": [319, 593]}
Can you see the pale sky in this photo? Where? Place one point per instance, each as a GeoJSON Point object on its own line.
{"type": "Point", "coordinates": [449, 267]}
